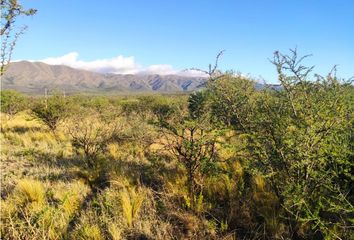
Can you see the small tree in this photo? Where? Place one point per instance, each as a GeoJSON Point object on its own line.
{"type": "Point", "coordinates": [298, 138]}
{"type": "Point", "coordinates": [90, 133]}
{"type": "Point", "coordinates": [231, 101]}
{"type": "Point", "coordinates": [52, 110]}
{"type": "Point", "coordinates": [10, 10]}
{"type": "Point", "coordinates": [12, 102]}
{"type": "Point", "coordinates": [192, 143]}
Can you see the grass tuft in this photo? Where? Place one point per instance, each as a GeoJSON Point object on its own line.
{"type": "Point", "coordinates": [131, 201]}
{"type": "Point", "coordinates": [29, 191]}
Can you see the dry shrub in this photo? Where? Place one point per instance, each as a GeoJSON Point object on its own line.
{"type": "Point", "coordinates": [185, 225]}
{"type": "Point", "coordinates": [90, 135]}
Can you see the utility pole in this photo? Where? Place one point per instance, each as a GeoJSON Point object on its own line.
{"type": "Point", "coordinates": [46, 97]}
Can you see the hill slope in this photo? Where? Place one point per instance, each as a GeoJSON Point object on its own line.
{"type": "Point", "coordinates": [33, 77]}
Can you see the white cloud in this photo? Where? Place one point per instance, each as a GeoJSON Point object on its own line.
{"type": "Point", "coordinates": [163, 69]}
{"type": "Point", "coordinates": [117, 65]}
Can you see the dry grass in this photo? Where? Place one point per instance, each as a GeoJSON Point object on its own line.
{"type": "Point", "coordinates": [44, 196]}
{"type": "Point", "coordinates": [38, 210]}
{"type": "Point", "coordinates": [29, 191]}
{"type": "Point", "coordinates": [89, 232]}
{"type": "Point", "coordinates": [47, 197]}
{"type": "Point", "coordinates": [131, 201]}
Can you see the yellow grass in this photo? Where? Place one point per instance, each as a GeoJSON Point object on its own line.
{"type": "Point", "coordinates": [131, 201]}
{"type": "Point", "coordinates": [30, 191]}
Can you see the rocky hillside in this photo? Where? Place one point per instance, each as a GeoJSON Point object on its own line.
{"type": "Point", "coordinates": [33, 77]}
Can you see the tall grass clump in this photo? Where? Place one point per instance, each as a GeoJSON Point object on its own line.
{"type": "Point", "coordinates": [35, 211]}
{"type": "Point", "coordinates": [131, 201]}
{"type": "Point", "coordinates": [29, 191]}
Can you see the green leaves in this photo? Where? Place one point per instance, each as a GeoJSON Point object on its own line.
{"type": "Point", "coordinates": [299, 138]}
{"type": "Point", "coordinates": [52, 110]}
{"type": "Point", "coordinates": [12, 102]}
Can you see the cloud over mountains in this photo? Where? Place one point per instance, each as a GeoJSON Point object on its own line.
{"type": "Point", "coordinates": [116, 65]}
{"type": "Point", "coordinates": [34, 77]}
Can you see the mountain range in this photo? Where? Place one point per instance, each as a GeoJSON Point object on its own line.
{"type": "Point", "coordinates": [34, 77]}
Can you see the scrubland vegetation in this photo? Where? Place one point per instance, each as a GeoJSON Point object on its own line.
{"type": "Point", "coordinates": [225, 162]}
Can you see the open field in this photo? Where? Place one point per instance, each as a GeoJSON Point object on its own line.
{"type": "Point", "coordinates": [169, 120]}
{"type": "Point", "coordinates": [227, 162]}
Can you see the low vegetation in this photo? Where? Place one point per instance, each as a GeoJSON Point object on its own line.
{"type": "Point", "coordinates": [227, 162]}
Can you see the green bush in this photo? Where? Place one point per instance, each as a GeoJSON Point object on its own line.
{"type": "Point", "coordinates": [12, 102]}
{"type": "Point", "coordinates": [52, 110]}
{"type": "Point", "coordinates": [299, 139]}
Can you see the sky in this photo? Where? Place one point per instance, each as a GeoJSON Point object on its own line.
{"type": "Point", "coordinates": [167, 36]}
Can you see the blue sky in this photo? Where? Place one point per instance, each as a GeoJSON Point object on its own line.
{"type": "Point", "coordinates": [171, 35]}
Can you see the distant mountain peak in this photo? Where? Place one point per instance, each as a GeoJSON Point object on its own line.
{"type": "Point", "coordinates": [32, 77]}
